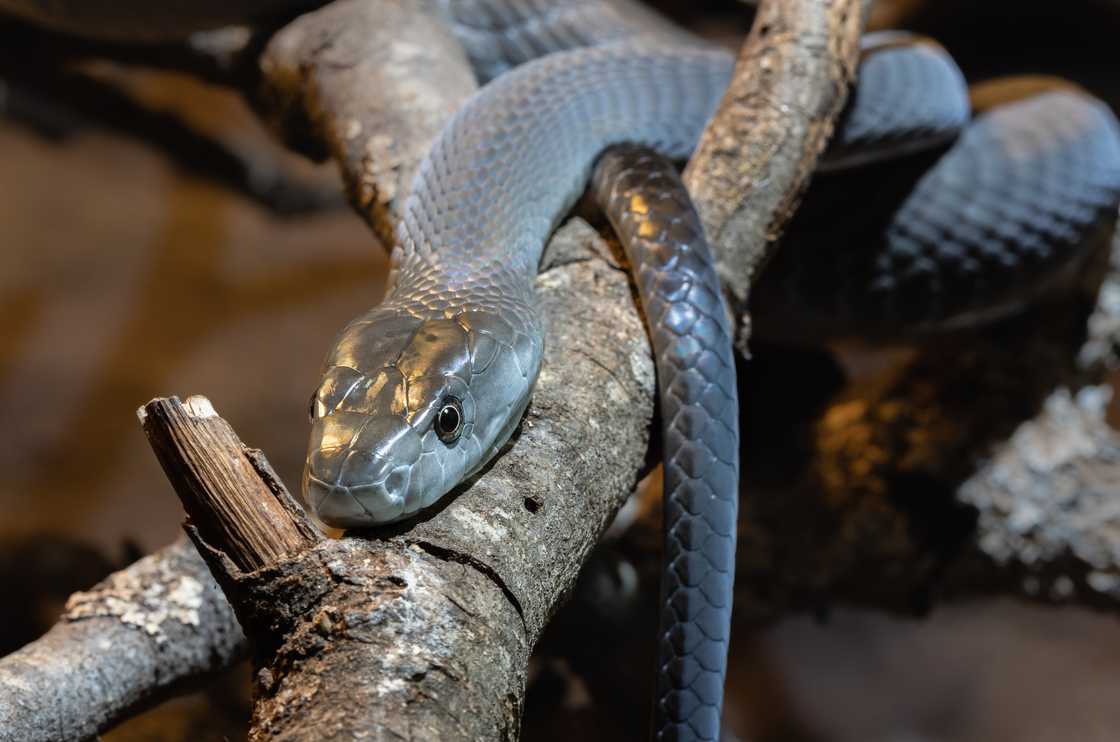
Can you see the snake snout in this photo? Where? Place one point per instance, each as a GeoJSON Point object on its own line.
{"type": "Point", "coordinates": [364, 481]}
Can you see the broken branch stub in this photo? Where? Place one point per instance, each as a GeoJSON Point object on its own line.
{"type": "Point", "coordinates": [231, 495]}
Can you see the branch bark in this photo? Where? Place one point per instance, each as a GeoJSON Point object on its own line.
{"type": "Point", "coordinates": [142, 635]}
{"type": "Point", "coordinates": [756, 155]}
{"type": "Point", "coordinates": [231, 495]}
{"type": "Point", "coordinates": [369, 84]}
{"type": "Point", "coordinates": [904, 487]}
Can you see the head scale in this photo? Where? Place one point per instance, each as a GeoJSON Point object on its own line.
{"type": "Point", "coordinates": [408, 407]}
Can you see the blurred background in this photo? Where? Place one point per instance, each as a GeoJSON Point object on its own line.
{"type": "Point", "coordinates": [125, 275]}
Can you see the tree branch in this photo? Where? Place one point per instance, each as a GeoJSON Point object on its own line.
{"type": "Point", "coordinates": [756, 155]}
{"type": "Point", "coordinates": [370, 84]}
{"type": "Point", "coordinates": [140, 636]}
{"type": "Point", "coordinates": [231, 495]}
{"type": "Point", "coordinates": [981, 464]}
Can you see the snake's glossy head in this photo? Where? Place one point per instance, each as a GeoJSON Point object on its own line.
{"type": "Point", "coordinates": [408, 407]}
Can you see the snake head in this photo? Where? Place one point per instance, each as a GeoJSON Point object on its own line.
{"type": "Point", "coordinates": [408, 407]}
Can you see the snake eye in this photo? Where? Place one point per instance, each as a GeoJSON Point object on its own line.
{"type": "Point", "coordinates": [449, 420]}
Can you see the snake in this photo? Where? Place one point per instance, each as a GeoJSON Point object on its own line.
{"type": "Point", "coordinates": [647, 204]}
{"type": "Point", "coordinates": [422, 391]}
{"type": "Point", "coordinates": [918, 220]}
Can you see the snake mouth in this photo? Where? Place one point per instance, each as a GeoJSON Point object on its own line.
{"type": "Point", "coordinates": [356, 501]}
{"type": "Point", "coordinates": [360, 506]}
{"type": "Point", "coordinates": [353, 481]}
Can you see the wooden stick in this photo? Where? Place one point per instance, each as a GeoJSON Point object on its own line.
{"type": "Point", "coordinates": [229, 492]}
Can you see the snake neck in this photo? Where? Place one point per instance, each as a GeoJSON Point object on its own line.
{"type": "Point", "coordinates": [498, 284]}
{"type": "Point", "coordinates": [515, 158]}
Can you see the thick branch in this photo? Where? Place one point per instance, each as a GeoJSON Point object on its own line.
{"type": "Point", "coordinates": [981, 464]}
{"type": "Point", "coordinates": [427, 633]}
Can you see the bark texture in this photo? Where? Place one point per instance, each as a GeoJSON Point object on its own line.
{"type": "Point", "coordinates": [756, 155]}
{"type": "Point", "coordinates": [426, 633]}
{"type": "Point", "coordinates": [369, 84]}
{"type": "Point", "coordinates": [231, 495]}
{"type": "Point", "coordinates": [132, 640]}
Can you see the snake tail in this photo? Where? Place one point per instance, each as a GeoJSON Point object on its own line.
{"type": "Point", "coordinates": [689, 326]}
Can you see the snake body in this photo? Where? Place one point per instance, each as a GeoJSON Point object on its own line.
{"type": "Point", "coordinates": [997, 220]}
{"type": "Point", "coordinates": [691, 335]}
{"type": "Point", "coordinates": [458, 332]}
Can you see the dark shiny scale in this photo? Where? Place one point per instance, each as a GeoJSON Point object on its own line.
{"type": "Point", "coordinates": [951, 237]}
{"type": "Point", "coordinates": [673, 267]}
